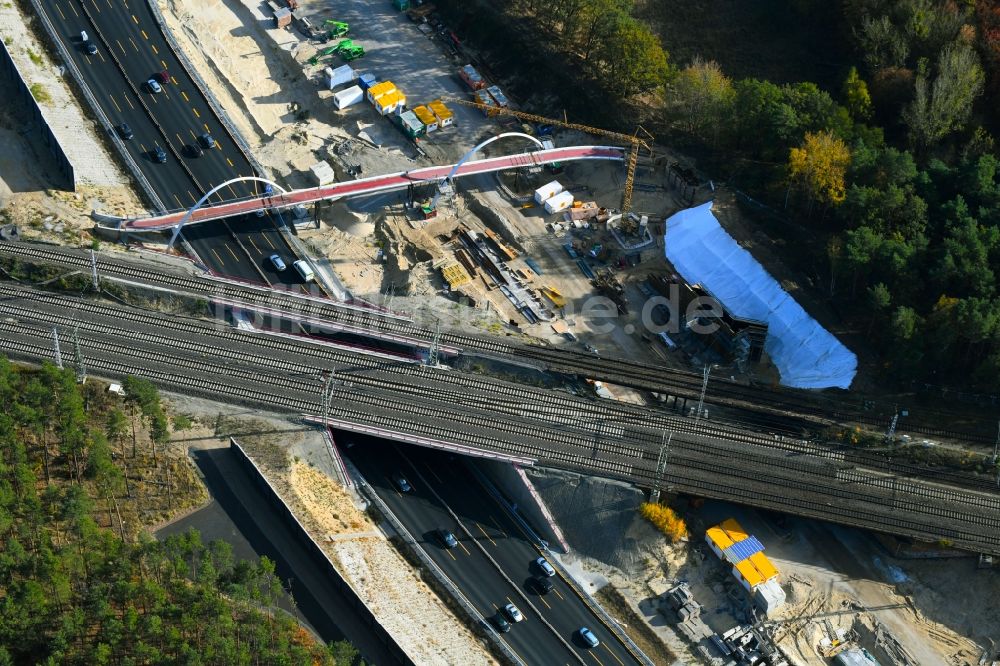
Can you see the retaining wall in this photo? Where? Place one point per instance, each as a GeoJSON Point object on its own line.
{"type": "Point", "coordinates": [319, 557]}
{"type": "Point", "coordinates": [26, 106]}
{"type": "Point", "coordinates": [511, 481]}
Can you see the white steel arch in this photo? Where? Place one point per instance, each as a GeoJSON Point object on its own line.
{"type": "Point", "coordinates": [240, 179]}
{"type": "Point", "coordinates": [476, 149]}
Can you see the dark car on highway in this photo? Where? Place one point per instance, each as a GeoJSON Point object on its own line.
{"type": "Point", "coordinates": [159, 155]}
{"type": "Point", "coordinates": [542, 585]}
{"type": "Point", "coordinates": [401, 482]}
{"type": "Point", "coordinates": [501, 623]}
{"type": "Point", "coordinates": [125, 132]}
{"type": "Point", "coordinates": [447, 539]}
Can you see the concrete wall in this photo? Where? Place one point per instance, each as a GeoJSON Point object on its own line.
{"type": "Point", "coordinates": [516, 490]}
{"type": "Point", "coordinates": [319, 557]}
{"type": "Point", "coordinates": [18, 95]}
{"type": "Point", "coordinates": [600, 518]}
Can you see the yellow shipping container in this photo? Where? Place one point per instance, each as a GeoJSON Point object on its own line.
{"type": "Point", "coordinates": [380, 89]}
{"type": "Point", "coordinates": [718, 537]}
{"type": "Point", "coordinates": [734, 530]}
{"type": "Point", "coordinates": [763, 565]}
{"type": "Point", "coordinates": [426, 117]}
{"type": "Point", "coordinates": [443, 113]}
{"type": "Point", "coordinates": [749, 573]}
{"type": "Point", "coordinates": [389, 102]}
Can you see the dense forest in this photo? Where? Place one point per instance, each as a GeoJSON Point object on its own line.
{"type": "Point", "coordinates": [73, 591]}
{"type": "Point", "coordinates": [884, 173]}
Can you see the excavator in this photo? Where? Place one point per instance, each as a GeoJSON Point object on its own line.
{"type": "Point", "coordinates": [336, 28]}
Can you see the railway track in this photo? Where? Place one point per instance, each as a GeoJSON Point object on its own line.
{"type": "Point", "coordinates": [602, 417]}
{"type": "Point", "coordinates": [767, 407]}
{"type": "Point", "coordinates": [608, 449]}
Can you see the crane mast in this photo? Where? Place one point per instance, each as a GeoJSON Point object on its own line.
{"type": "Point", "coordinates": [635, 143]}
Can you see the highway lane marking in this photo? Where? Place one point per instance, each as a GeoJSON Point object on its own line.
{"type": "Point", "coordinates": [434, 474]}
{"type": "Point", "coordinates": [173, 79]}
{"type": "Point", "coordinates": [559, 595]}
{"type": "Point", "coordinates": [164, 64]}
{"type": "Point", "coordinates": [177, 198]}
{"type": "Point", "coordinates": [205, 125]}
{"type": "Point", "coordinates": [254, 243]}
{"type": "Point", "coordinates": [193, 200]}
{"type": "Point", "coordinates": [94, 2]}
{"type": "Point", "coordinates": [110, 6]}
{"type": "Point", "coordinates": [153, 46]}
{"type": "Point", "coordinates": [230, 164]}
{"type": "Point", "coordinates": [465, 549]}
{"type": "Point", "coordinates": [196, 112]}
{"type": "Point", "coordinates": [268, 239]}
{"type": "Point", "coordinates": [135, 19]}
{"type": "Point", "coordinates": [217, 256]}
{"type": "Point", "coordinates": [101, 56]}
{"type": "Point", "coordinates": [497, 525]}
{"type": "Point", "coordinates": [112, 97]}
{"type": "Point", "coordinates": [128, 101]}
{"type": "Point", "coordinates": [144, 35]}
{"type": "Point", "coordinates": [542, 599]}
{"type": "Point", "coordinates": [485, 534]}
{"type": "Point", "coordinates": [134, 45]}
{"type": "Point", "coordinates": [143, 146]}
{"type": "Point", "coordinates": [233, 191]}
{"type": "Point", "coordinates": [184, 95]}
{"type": "Point", "coordinates": [179, 139]}
{"type": "Point", "coordinates": [74, 10]}
{"type": "Point", "coordinates": [232, 253]}
{"type": "Point", "coordinates": [613, 654]}
{"type": "Point", "coordinates": [595, 658]}
{"type": "Point", "coordinates": [59, 9]}
{"type": "Point", "coordinates": [119, 44]}
{"type": "Point", "coordinates": [452, 555]}
{"type": "Point", "coordinates": [193, 135]}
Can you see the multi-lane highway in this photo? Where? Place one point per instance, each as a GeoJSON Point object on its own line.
{"type": "Point", "coordinates": [131, 50]}
{"type": "Point", "coordinates": [492, 562]}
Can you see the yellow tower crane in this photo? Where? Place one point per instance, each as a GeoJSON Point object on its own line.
{"type": "Point", "coordinates": [633, 140]}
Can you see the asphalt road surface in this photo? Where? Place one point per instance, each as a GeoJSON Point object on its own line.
{"type": "Point", "coordinates": [129, 31]}
{"type": "Point", "coordinates": [269, 533]}
{"type": "Point", "coordinates": [436, 477]}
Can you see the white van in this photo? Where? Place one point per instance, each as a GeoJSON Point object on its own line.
{"type": "Point", "coordinates": [305, 270]}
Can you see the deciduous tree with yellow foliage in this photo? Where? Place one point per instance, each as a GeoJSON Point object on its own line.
{"type": "Point", "coordinates": [819, 166]}
{"type": "Point", "coordinates": [665, 519]}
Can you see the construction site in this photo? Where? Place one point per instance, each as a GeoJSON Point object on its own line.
{"type": "Point", "coordinates": [602, 257]}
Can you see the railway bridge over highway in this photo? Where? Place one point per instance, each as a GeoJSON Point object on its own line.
{"type": "Point", "coordinates": [483, 416]}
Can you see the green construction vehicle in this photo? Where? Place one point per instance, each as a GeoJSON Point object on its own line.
{"type": "Point", "coordinates": [336, 28]}
{"type": "Point", "coordinates": [325, 52]}
{"type": "Point", "coordinates": [348, 50]}
{"type": "Point", "coordinates": [352, 53]}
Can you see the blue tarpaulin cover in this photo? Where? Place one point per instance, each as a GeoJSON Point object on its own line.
{"type": "Point", "coordinates": [805, 353]}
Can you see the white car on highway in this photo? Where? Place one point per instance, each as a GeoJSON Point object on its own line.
{"type": "Point", "coordinates": [153, 86]}
{"type": "Point", "coordinates": [512, 613]}
{"type": "Point", "coordinates": [544, 566]}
